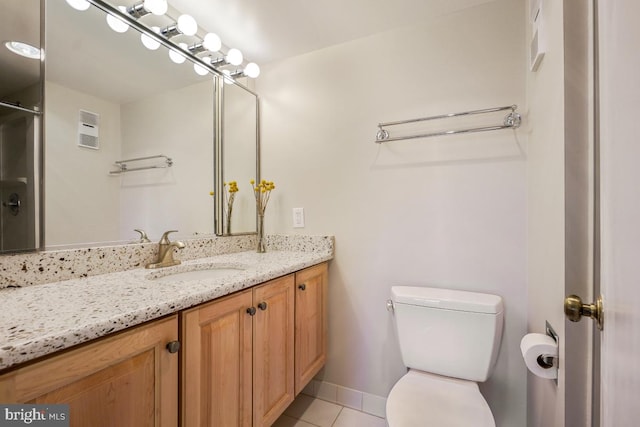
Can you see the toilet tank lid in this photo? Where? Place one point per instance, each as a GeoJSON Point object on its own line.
{"type": "Point", "coordinates": [448, 299]}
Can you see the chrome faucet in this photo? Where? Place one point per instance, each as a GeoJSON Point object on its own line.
{"type": "Point", "coordinates": [165, 251]}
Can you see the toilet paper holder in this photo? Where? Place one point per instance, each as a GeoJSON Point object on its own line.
{"type": "Point", "coordinates": [548, 361]}
{"type": "Point", "coordinates": [540, 353]}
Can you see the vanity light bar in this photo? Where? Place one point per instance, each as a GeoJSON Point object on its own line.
{"type": "Point", "coordinates": [186, 25]}
{"type": "Point", "coordinates": [252, 70]}
{"type": "Point", "coordinates": [138, 10]}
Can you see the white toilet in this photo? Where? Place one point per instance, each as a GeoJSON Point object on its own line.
{"type": "Point", "coordinates": [449, 341]}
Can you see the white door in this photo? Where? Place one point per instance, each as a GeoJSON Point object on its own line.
{"type": "Point", "coordinates": [619, 50]}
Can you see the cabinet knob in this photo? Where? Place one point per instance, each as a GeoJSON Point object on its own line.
{"type": "Point", "coordinates": [262, 305]}
{"type": "Point", "coordinates": [173, 346]}
{"type": "Point", "coordinates": [251, 311]}
{"type": "Point", "coordinates": [302, 287]}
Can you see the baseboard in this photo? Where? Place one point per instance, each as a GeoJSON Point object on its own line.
{"type": "Point", "coordinates": [358, 400]}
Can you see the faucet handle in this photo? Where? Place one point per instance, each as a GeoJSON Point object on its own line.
{"type": "Point", "coordinates": [165, 237]}
{"type": "Point", "coordinates": [143, 236]}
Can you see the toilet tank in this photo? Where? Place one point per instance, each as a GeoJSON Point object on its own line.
{"type": "Point", "coordinates": [448, 332]}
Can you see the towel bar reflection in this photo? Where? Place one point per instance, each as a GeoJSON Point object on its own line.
{"type": "Point", "coordinates": [511, 121]}
{"type": "Point", "coordinates": [123, 167]}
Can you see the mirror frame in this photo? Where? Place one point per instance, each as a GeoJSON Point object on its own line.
{"type": "Point", "coordinates": [219, 152]}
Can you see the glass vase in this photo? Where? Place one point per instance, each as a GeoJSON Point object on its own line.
{"type": "Point", "coordinates": [261, 246]}
{"type": "Point", "coordinates": [227, 224]}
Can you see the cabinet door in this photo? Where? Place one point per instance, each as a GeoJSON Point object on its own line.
{"type": "Point", "coordinates": [216, 385]}
{"type": "Point", "coordinates": [311, 323]}
{"type": "Point", "coordinates": [273, 330]}
{"type": "Point", "coordinates": [129, 379]}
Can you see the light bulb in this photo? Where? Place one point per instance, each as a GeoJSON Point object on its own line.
{"type": "Point", "coordinates": [79, 4]}
{"type": "Point", "coordinates": [23, 49]}
{"type": "Point", "coordinates": [115, 23]}
{"type": "Point", "coordinates": [234, 57]}
{"type": "Point", "coordinates": [199, 69]}
{"type": "Point", "coordinates": [187, 25]}
{"type": "Point", "coordinates": [148, 42]}
{"type": "Point", "coordinates": [212, 42]}
{"type": "Point", "coordinates": [177, 57]}
{"type": "Point", "coordinates": [252, 70]}
{"type": "Point", "coordinates": [157, 7]}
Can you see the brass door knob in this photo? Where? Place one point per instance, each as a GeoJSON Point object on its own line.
{"type": "Point", "coordinates": [574, 309]}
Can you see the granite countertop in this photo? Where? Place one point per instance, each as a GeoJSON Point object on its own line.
{"type": "Point", "coordinates": [42, 319]}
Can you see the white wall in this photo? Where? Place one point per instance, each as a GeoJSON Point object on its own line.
{"type": "Point", "coordinates": [440, 212]}
{"type": "Point", "coordinates": [179, 124]}
{"type": "Point", "coordinates": [546, 214]}
{"type": "Point", "coordinates": [79, 193]}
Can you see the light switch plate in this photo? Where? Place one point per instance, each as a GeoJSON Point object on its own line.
{"type": "Point", "coordinates": [298, 217]}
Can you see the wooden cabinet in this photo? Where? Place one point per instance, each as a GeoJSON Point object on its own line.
{"type": "Point", "coordinates": [244, 357]}
{"type": "Point", "coordinates": [238, 357]}
{"type": "Point", "coordinates": [128, 379]}
{"type": "Point", "coordinates": [217, 353]}
{"type": "Point", "coordinates": [311, 323]}
{"type": "Point", "coordinates": [273, 351]}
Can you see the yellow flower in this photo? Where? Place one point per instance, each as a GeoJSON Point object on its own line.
{"type": "Point", "coordinates": [262, 192]}
{"type": "Point", "coordinates": [233, 186]}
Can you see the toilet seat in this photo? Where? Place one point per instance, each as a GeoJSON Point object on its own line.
{"type": "Point", "coordinates": [421, 399]}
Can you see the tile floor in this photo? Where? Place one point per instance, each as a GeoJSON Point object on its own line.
{"type": "Point", "coordinates": [307, 411]}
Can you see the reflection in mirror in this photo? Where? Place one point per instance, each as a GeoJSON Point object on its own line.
{"type": "Point", "coordinates": [19, 74]}
{"type": "Point", "coordinates": [138, 103]}
{"type": "Point", "coordinates": [20, 124]}
{"type": "Point", "coordinates": [240, 142]}
{"type": "Point", "coordinates": [144, 105]}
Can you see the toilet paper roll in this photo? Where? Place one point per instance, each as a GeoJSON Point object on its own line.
{"type": "Point", "coordinates": [536, 346]}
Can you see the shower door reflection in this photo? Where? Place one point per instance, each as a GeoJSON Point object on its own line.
{"type": "Point", "coordinates": [18, 139]}
{"type": "Point", "coordinates": [20, 125]}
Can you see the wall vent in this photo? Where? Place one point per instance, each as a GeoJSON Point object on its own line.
{"type": "Point", "coordinates": [88, 130]}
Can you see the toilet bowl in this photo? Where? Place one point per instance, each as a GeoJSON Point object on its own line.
{"type": "Point", "coordinates": [449, 340]}
{"type": "Point", "coordinates": [423, 399]}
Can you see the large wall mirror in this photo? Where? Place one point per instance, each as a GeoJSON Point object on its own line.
{"type": "Point", "coordinates": [109, 99]}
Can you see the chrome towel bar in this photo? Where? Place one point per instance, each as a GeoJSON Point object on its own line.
{"type": "Point", "coordinates": [17, 106]}
{"type": "Point", "coordinates": [122, 164]}
{"type": "Point", "coordinates": [511, 121]}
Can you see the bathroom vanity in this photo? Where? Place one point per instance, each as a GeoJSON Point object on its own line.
{"type": "Point", "coordinates": [126, 379]}
{"type": "Point", "coordinates": [248, 355]}
{"type": "Point", "coordinates": [230, 350]}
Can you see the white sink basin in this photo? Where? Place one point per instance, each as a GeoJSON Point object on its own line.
{"type": "Point", "coordinates": [207, 273]}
